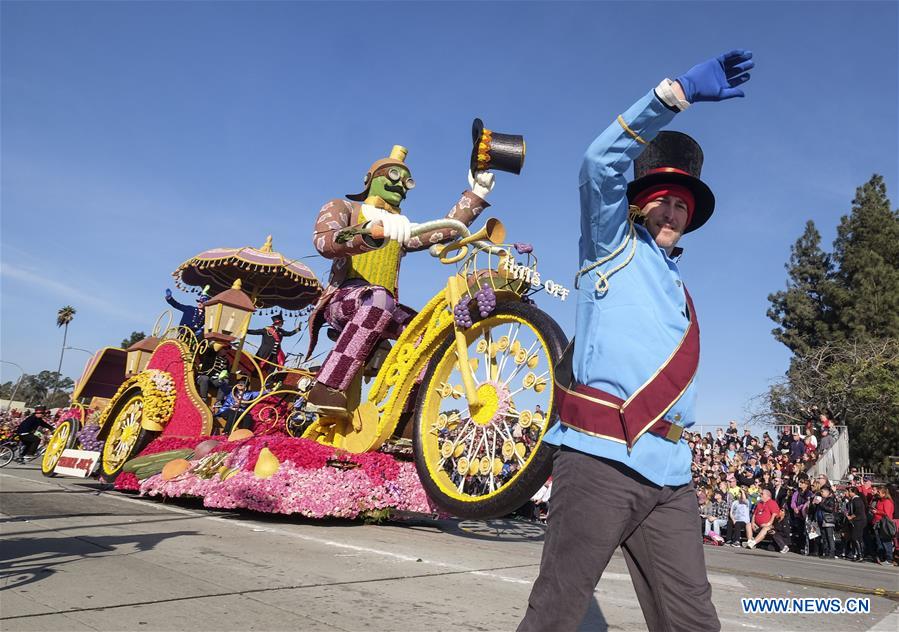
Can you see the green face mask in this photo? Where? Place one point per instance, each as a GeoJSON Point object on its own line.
{"type": "Point", "coordinates": [392, 190]}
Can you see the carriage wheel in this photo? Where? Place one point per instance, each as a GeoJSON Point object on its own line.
{"type": "Point", "coordinates": [62, 439]}
{"type": "Point", "coordinates": [126, 437]}
{"type": "Point", "coordinates": [486, 461]}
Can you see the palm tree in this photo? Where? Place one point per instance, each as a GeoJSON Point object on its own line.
{"type": "Point", "coordinates": [63, 317]}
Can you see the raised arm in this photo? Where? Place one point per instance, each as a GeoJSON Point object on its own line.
{"type": "Point", "coordinates": [602, 182]}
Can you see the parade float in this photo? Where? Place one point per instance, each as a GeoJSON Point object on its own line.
{"type": "Point", "coordinates": [449, 417]}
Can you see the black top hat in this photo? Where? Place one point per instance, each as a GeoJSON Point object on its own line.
{"type": "Point", "coordinates": [492, 150]}
{"type": "Point", "coordinates": [277, 318]}
{"type": "Point", "coordinates": [674, 158]}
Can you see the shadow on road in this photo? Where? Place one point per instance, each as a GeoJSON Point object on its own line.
{"type": "Point", "coordinates": [28, 559]}
{"type": "Point", "coordinates": [594, 620]}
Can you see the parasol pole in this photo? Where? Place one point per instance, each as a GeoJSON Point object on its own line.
{"type": "Point", "coordinates": [236, 364]}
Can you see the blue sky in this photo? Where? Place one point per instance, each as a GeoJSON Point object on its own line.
{"type": "Point", "coordinates": [135, 135]}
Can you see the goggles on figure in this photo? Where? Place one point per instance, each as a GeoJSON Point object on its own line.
{"type": "Point", "coordinates": [395, 175]}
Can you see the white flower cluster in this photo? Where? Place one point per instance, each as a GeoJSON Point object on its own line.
{"type": "Point", "coordinates": [162, 381]}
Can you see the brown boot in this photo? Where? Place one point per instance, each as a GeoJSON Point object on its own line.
{"type": "Point", "coordinates": [327, 401]}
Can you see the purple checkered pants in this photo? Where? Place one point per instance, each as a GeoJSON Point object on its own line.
{"type": "Point", "coordinates": [364, 314]}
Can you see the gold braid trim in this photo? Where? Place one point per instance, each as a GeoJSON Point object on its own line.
{"type": "Point", "coordinates": [632, 133]}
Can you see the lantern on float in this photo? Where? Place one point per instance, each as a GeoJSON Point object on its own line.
{"type": "Point", "coordinates": [139, 355]}
{"type": "Point", "coordinates": [228, 314]}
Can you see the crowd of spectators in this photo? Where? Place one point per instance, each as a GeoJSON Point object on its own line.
{"type": "Point", "coordinates": [751, 489]}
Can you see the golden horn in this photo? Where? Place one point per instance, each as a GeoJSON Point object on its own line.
{"type": "Point", "coordinates": [493, 231]}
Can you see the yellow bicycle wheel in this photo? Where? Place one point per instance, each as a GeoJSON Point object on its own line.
{"type": "Point", "coordinates": [62, 439]}
{"type": "Point", "coordinates": [126, 438]}
{"type": "Point", "coordinates": [488, 460]}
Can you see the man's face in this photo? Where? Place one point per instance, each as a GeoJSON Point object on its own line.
{"type": "Point", "coordinates": [666, 219]}
{"type": "Point", "coordinates": [392, 186]}
{"type": "Point", "coordinates": [766, 495]}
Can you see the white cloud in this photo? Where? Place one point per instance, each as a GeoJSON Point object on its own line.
{"type": "Point", "coordinates": [63, 290]}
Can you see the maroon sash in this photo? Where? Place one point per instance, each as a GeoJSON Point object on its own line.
{"type": "Point", "coordinates": [276, 336]}
{"type": "Point", "coordinates": [602, 414]}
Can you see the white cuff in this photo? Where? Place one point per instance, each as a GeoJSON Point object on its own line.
{"type": "Point", "coordinates": [666, 95]}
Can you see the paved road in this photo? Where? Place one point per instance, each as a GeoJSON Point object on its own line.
{"type": "Point", "coordinates": [75, 557]}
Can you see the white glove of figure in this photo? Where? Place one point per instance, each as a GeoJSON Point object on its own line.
{"type": "Point", "coordinates": [481, 183]}
{"type": "Point", "coordinates": [396, 226]}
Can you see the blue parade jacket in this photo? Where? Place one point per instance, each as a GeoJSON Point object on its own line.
{"type": "Point", "coordinates": [625, 334]}
{"type": "Point", "coordinates": [190, 316]}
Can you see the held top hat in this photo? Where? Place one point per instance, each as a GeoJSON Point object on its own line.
{"type": "Point", "coordinates": [492, 150]}
{"type": "Point", "coordinates": [396, 158]}
{"type": "Point", "coordinates": [674, 158]}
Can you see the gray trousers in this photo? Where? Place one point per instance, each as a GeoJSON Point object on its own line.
{"type": "Point", "coordinates": [598, 505]}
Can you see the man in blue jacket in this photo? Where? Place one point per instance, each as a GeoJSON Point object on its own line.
{"type": "Point", "coordinates": [622, 475]}
{"type": "Point", "coordinates": [191, 317]}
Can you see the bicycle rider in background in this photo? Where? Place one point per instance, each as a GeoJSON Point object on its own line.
{"type": "Point", "coordinates": [26, 432]}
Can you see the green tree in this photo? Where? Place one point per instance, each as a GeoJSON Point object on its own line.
{"type": "Point", "coordinates": [63, 317]}
{"type": "Point", "coordinates": [840, 317]}
{"type": "Point", "coordinates": [136, 336]}
{"type": "Point", "coordinates": [47, 388]}
{"type": "Point", "coordinates": [803, 311]}
{"type": "Point", "coordinates": [866, 252]}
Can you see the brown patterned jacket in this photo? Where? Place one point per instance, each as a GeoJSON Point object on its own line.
{"type": "Point", "coordinates": [339, 213]}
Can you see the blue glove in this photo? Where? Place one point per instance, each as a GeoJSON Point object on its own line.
{"type": "Point", "coordinates": [717, 79]}
{"type": "Point", "coordinates": [168, 293]}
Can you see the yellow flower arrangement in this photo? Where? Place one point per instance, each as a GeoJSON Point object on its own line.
{"type": "Point", "coordinates": [158, 392]}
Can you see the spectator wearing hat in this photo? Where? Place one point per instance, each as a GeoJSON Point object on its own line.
{"type": "Point", "coordinates": [270, 350]}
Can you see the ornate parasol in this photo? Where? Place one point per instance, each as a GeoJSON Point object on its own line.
{"type": "Point", "coordinates": [273, 281]}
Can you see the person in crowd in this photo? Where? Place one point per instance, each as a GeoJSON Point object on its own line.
{"type": "Point", "coordinates": [799, 504]}
{"type": "Point", "coordinates": [783, 445]}
{"type": "Point", "coordinates": [715, 515]}
{"type": "Point", "coordinates": [857, 517]}
{"type": "Point", "coordinates": [884, 526]}
{"type": "Point", "coordinates": [826, 442]}
{"type": "Point", "coordinates": [739, 519]}
{"type": "Point", "coordinates": [26, 432]}
{"type": "Point", "coordinates": [779, 491]}
{"type": "Point", "coordinates": [732, 431]}
{"type": "Point", "coordinates": [764, 516]}
{"type": "Point", "coordinates": [826, 504]}
{"type": "Point", "coordinates": [797, 448]}
{"type": "Point", "coordinates": [866, 489]}
{"type": "Point", "coordinates": [720, 440]}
